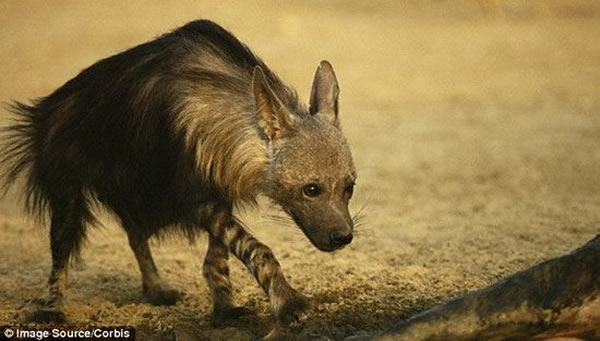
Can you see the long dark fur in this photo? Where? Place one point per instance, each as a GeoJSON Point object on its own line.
{"type": "Point", "coordinates": [129, 131]}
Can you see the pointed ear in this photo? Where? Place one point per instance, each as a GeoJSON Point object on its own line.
{"type": "Point", "coordinates": [273, 118]}
{"type": "Point", "coordinates": [325, 92]}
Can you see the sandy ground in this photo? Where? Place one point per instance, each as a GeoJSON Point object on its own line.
{"type": "Point", "coordinates": [475, 127]}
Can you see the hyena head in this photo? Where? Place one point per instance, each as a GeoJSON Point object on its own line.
{"type": "Point", "coordinates": [311, 172]}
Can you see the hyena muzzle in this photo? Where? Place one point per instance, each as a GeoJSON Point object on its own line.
{"type": "Point", "coordinates": [171, 135]}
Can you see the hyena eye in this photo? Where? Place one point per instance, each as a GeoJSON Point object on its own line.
{"type": "Point", "coordinates": [349, 190]}
{"type": "Point", "coordinates": [311, 190]}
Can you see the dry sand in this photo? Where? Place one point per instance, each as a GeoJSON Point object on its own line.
{"type": "Point", "coordinates": [475, 127]}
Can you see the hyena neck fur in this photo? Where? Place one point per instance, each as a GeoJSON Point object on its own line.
{"type": "Point", "coordinates": [217, 112]}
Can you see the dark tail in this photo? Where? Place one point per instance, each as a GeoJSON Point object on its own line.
{"type": "Point", "coordinates": [18, 154]}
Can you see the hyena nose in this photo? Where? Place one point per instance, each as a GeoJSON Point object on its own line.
{"type": "Point", "coordinates": [340, 238]}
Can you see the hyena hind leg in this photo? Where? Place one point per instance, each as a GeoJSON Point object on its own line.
{"type": "Point", "coordinates": [155, 288]}
{"type": "Point", "coordinates": [67, 232]}
{"type": "Point", "coordinates": [216, 274]}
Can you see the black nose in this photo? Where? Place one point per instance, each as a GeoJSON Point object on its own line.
{"type": "Point", "coordinates": [340, 238]}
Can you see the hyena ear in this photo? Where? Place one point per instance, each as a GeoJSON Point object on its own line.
{"type": "Point", "coordinates": [325, 92]}
{"type": "Point", "coordinates": [273, 118]}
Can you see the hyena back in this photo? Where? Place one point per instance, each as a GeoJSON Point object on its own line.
{"type": "Point", "coordinates": [172, 134]}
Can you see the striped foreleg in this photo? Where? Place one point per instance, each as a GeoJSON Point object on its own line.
{"type": "Point", "coordinates": [286, 303]}
{"type": "Point", "coordinates": [216, 274]}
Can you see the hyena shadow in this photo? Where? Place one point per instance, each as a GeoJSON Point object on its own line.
{"type": "Point", "coordinates": [93, 292]}
{"type": "Point", "coordinates": [347, 314]}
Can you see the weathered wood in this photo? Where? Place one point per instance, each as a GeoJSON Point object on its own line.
{"type": "Point", "coordinates": [557, 299]}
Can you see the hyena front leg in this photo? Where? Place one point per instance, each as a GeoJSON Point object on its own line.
{"type": "Point", "coordinates": [286, 303]}
{"type": "Point", "coordinates": [156, 289]}
{"type": "Point", "coordinates": [216, 274]}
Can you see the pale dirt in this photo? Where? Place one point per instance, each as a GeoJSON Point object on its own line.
{"type": "Point", "coordinates": [475, 129]}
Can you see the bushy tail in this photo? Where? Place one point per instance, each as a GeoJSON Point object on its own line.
{"type": "Point", "coordinates": [18, 154]}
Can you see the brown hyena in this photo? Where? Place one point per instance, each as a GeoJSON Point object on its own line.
{"type": "Point", "coordinates": [171, 135]}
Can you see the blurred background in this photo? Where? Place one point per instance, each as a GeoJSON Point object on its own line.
{"type": "Point", "coordinates": [475, 127]}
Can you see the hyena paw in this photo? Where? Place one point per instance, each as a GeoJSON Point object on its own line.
{"type": "Point", "coordinates": [291, 309]}
{"type": "Point", "coordinates": [160, 293]}
{"type": "Point", "coordinates": [52, 301]}
{"type": "Point", "coordinates": [224, 314]}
